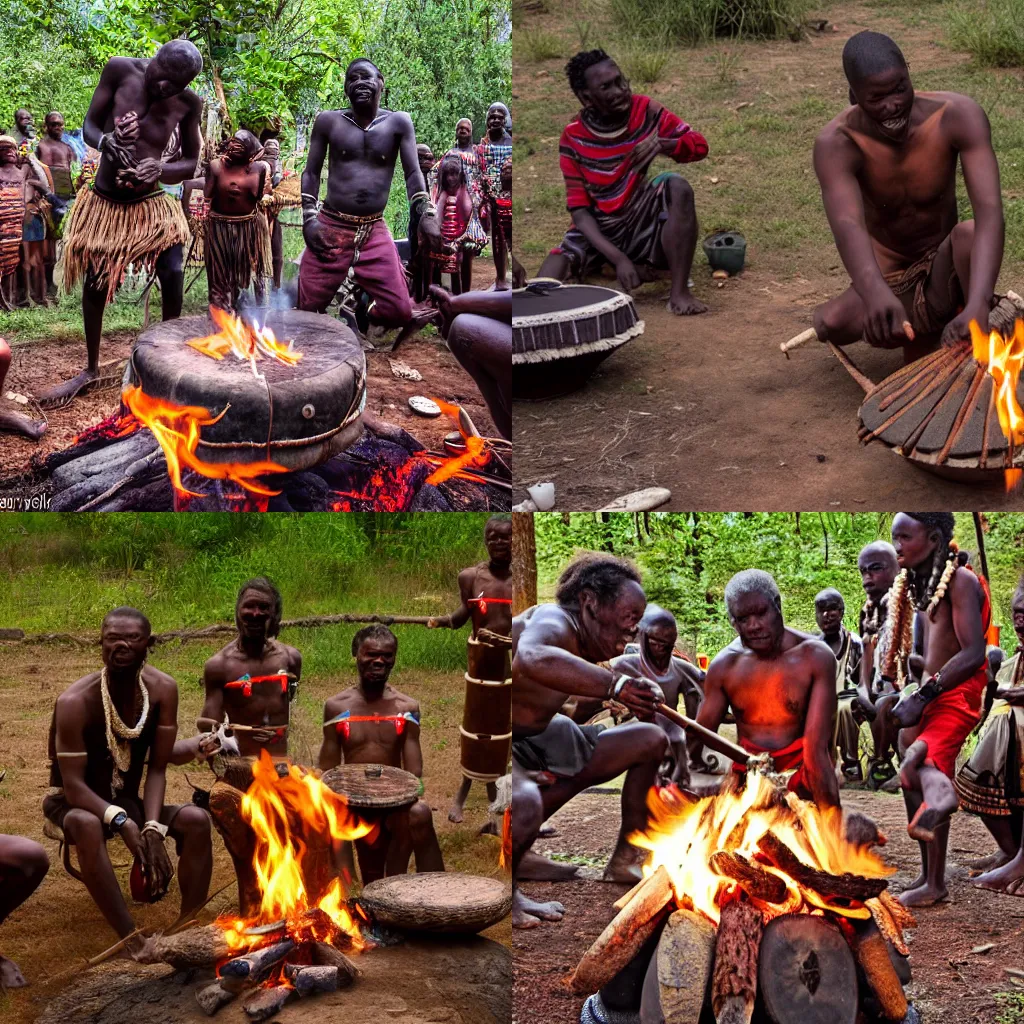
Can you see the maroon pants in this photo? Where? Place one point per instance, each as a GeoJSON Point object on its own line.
{"type": "Point", "coordinates": [377, 270]}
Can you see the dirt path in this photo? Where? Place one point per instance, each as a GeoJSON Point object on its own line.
{"type": "Point", "coordinates": [708, 407]}
{"type": "Point", "coordinates": [950, 983]}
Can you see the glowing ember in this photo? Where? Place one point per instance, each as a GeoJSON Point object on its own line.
{"type": "Point", "coordinates": [1003, 357]}
{"type": "Point", "coordinates": [243, 341]}
{"type": "Point", "coordinates": [111, 428]}
{"type": "Point", "coordinates": [684, 835]}
{"type": "Point", "coordinates": [176, 428]}
{"type": "Point", "coordinates": [476, 456]}
{"type": "Point", "coordinates": [285, 813]}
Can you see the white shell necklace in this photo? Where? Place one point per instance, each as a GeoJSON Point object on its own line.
{"type": "Point", "coordinates": [119, 735]}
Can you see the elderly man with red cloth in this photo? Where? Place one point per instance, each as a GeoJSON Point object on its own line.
{"type": "Point", "coordinates": [618, 216]}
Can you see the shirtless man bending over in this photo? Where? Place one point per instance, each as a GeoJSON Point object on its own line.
{"type": "Point", "coordinates": [23, 865]}
{"type": "Point", "coordinates": [105, 728]}
{"type": "Point", "coordinates": [555, 651]}
{"type": "Point", "coordinates": [253, 680]}
{"type": "Point", "coordinates": [887, 168]}
{"type": "Point", "coordinates": [393, 738]}
{"type": "Point", "coordinates": [781, 686]}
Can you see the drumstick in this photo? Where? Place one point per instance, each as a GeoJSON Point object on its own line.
{"type": "Point", "coordinates": [711, 739]}
{"type": "Point", "coordinates": [812, 335]}
{"type": "Point", "coordinates": [200, 722]}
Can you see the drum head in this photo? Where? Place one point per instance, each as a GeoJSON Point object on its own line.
{"type": "Point", "coordinates": [575, 297]}
{"type": "Point", "coordinates": [438, 901]}
{"type": "Point", "coordinates": [373, 785]}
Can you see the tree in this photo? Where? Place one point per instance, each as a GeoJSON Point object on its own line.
{"type": "Point", "coordinates": [524, 562]}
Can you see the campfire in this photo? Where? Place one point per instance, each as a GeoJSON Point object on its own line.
{"type": "Point", "coordinates": [766, 897]}
{"type": "Point", "coordinates": [296, 925]}
{"type": "Point", "coordinates": [239, 420]}
{"type": "Point", "coordinates": [956, 410]}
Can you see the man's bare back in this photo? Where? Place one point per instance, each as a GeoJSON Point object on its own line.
{"type": "Point", "coordinates": [266, 706]}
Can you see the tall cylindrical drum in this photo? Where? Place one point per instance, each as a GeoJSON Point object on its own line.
{"type": "Point", "coordinates": [486, 731]}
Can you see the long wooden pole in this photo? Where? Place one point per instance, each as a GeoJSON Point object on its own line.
{"type": "Point", "coordinates": [719, 744]}
{"type": "Point", "coordinates": [524, 562]}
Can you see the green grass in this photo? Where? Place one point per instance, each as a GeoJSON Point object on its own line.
{"type": "Point", "coordinates": [538, 45]}
{"type": "Point", "coordinates": [63, 573]}
{"type": "Point", "coordinates": [700, 21]}
{"type": "Point", "coordinates": [1011, 1008]}
{"type": "Point", "coordinates": [992, 31]}
{"type": "Point", "coordinates": [645, 64]}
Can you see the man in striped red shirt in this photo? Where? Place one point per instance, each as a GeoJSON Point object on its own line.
{"type": "Point", "coordinates": [618, 215]}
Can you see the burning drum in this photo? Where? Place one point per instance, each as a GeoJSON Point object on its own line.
{"type": "Point", "coordinates": [560, 333]}
{"type": "Point", "coordinates": [296, 409]}
{"type": "Point", "coordinates": [486, 729]}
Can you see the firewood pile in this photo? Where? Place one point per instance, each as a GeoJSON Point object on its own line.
{"type": "Point", "coordinates": [265, 967]}
{"type": "Point", "coordinates": [782, 941]}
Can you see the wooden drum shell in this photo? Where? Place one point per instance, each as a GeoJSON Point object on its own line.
{"type": "Point", "coordinates": [486, 732]}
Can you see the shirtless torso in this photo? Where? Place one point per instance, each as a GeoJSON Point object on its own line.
{"type": "Point", "coordinates": [235, 189]}
{"type": "Point", "coordinates": [267, 703]}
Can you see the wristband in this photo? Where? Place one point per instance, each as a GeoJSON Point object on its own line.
{"type": "Point", "coordinates": [313, 199]}
{"type": "Point", "coordinates": [112, 812]}
{"type": "Point", "coordinates": [618, 685]}
{"type": "Point", "coordinates": [155, 826]}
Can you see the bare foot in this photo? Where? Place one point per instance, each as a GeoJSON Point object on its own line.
{"type": "Point", "coordinates": [684, 303]}
{"type": "Point", "coordinates": [19, 424]}
{"type": "Point", "coordinates": [64, 393]}
{"type": "Point", "coordinates": [535, 868]}
{"type": "Point", "coordinates": [10, 974]}
{"type": "Point", "coordinates": [989, 863]}
{"type": "Point", "coordinates": [1003, 878]}
{"type": "Point", "coordinates": [925, 896]}
{"type": "Point", "coordinates": [527, 913]}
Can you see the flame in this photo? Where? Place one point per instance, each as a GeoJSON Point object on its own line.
{"type": "Point", "coordinates": [1003, 357]}
{"type": "Point", "coordinates": [176, 428]}
{"type": "Point", "coordinates": [243, 341]}
{"type": "Point", "coordinates": [110, 428]}
{"type": "Point", "coordinates": [683, 835]}
{"type": "Point", "coordinates": [283, 813]}
{"type": "Point", "coordinates": [476, 456]}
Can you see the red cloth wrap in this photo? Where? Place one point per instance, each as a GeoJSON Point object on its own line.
{"type": "Point", "coordinates": [948, 720]}
{"type": "Point", "coordinates": [785, 760]}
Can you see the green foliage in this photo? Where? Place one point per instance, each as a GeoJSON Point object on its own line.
{"type": "Point", "coordinates": [538, 45]}
{"type": "Point", "coordinates": [701, 21]}
{"type": "Point", "coordinates": [992, 31]}
{"type": "Point", "coordinates": [687, 558]}
{"type": "Point", "coordinates": [1011, 1008]}
{"type": "Point", "coordinates": [63, 572]}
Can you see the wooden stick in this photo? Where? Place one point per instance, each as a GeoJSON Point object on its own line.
{"type": "Point", "coordinates": [200, 722]}
{"type": "Point", "coordinates": [655, 878]}
{"type": "Point", "coordinates": [98, 959]}
{"type": "Point", "coordinates": [622, 939]}
{"type": "Point", "coordinates": [872, 954]}
{"type": "Point", "coordinates": [913, 374]}
{"type": "Point", "coordinates": [799, 339]}
{"type": "Point", "coordinates": [966, 408]}
{"type": "Point", "coordinates": [750, 877]}
{"type": "Point", "coordinates": [854, 887]}
{"type": "Point", "coordinates": [734, 982]}
{"type": "Point", "coordinates": [719, 744]}
{"type": "Point", "coordinates": [848, 364]}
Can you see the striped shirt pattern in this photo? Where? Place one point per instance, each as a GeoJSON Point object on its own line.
{"type": "Point", "coordinates": [597, 169]}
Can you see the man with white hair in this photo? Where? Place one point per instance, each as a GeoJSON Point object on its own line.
{"type": "Point", "coordinates": [780, 685]}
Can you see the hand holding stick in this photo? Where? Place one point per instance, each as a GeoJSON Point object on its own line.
{"type": "Point", "coordinates": [812, 335]}
{"type": "Point", "coordinates": [719, 744]}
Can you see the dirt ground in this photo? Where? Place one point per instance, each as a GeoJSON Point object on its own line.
{"type": "Point", "coordinates": [60, 926]}
{"type": "Point", "coordinates": [708, 406]}
{"type": "Point", "coordinates": [950, 983]}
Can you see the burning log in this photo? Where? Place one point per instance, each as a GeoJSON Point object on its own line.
{"type": "Point", "coordinates": [891, 917]}
{"type": "Point", "coordinates": [750, 877]}
{"type": "Point", "coordinates": [258, 962]}
{"type": "Point", "coordinates": [240, 840]}
{"type": "Point", "coordinates": [806, 972]}
{"type": "Point", "coordinates": [308, 980]}
{"type": "Point", "coordinates": [194, 947]}
{"type": "Point", "coordinates": [872, 953]}
{"type": "Point", "coordinates": [846, 885]}
{"type": "Point", "coordinates": [684, 958]}
{"type": "Point", "coordinates": [326, 955]}
{"type": "Point", "coordinates": [734, 983]}
{"type": "Point", "coordinates": [659, 878]}
{"type": "Point", "coordinates": [212, 997]}
{"type": "Point", "coordinates": [627, 932]}
{"type": "Point", "coordinates": [265, 1002]}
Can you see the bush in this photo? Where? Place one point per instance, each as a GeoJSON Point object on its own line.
{"type": "Point", "coordinates": [538, 45]}
{"type": "Point", "coordinates": [700, 21]}
{"type": "Point", "coordinates": [992, 31]}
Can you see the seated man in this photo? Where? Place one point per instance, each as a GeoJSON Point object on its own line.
{"type": "Point", "coordinates": [954, 608]}
{"type": "Point", "coordinates": [618, 216]}
{"type": "Point", "coordinates": [478, 329]}
{"type": "Point", "coordinates": [781, 687]}
{"type": "Point", "coordinates": [253, 680]}
{"type": "Point", "coordinates": [372, 723]}
{"type": "Point", "coordinates": [105, 728]}
{"type": "Point", "coordinates": [236, 243]}
{"type": "Point", "coordinates": [990, 783]}
{"type": "Point", "coordinates": [829, 609]}
{"type": "Point", "coordinates": [555, 650]}
{"type": "Point", "coordinates": [23, 865]}
{"type": "Point", "coordinates": [887, 168]}
{"type": "Point", "coordinates": [656, 635]}
{"type": "Point", "coordinates": [878, 568]}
